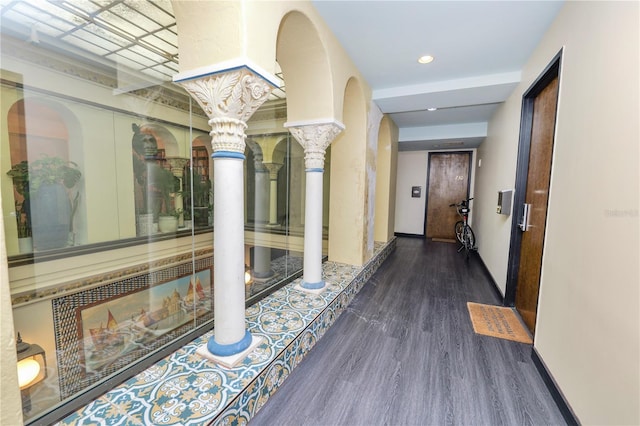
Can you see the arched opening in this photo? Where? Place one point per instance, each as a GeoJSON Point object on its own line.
{"type": "Point", "coordinates": [45, 182]}
{"type": "Point", "coordinates": [36, 130]}
{"type": "Point", "coordinates": [309, 84]}
{"type": "Point", "coordinates": [197, 184]}
{"type": "Point", "coordinates": [156, 184]}
{"type": "Point", "coordinates": [252, 153]}
{"type": "Point", "coordinates": [386, 161]}
{"type": "Point", "coordinates": [281, 156]}
{"type": "Point", "coordinates": [349, 221]}
{"type": "Point", "coordinates": [292, 181]}
{"type": "Point", "coordinates": [305, 67]}
{"type": "Point", "coordinates": [167, 143]}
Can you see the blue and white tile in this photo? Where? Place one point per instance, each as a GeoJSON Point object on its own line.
{"type": "Point", "coordinates": [187, 389]}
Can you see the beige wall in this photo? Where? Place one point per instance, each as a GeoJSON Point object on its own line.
{"type": "Point", "coordinates": [588, 315]}
{"type": "Point", "coordinates": [498, 155]}
{"type": "Point", "coordinates": [386, 167]}
{"type": "Point", "coordinates": [412, 171]}
{"type": "Point", "coordinates": [348, 214]}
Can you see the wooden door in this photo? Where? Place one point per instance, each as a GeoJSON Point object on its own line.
{"type": "Point", "coordinates": [448, 183]}
{"type": "Point", "coordinates": [536, 199]}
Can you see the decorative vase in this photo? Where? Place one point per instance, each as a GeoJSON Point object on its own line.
{"type": "Point", "coordinates": [50, 217]}
{"type": "Point", "coordinates": [200, 216]}
{"type": "Point", "coordinates": [25, 245]}
{"type": "Point", "coordinates": [168, 224]}
{"type": "Point", "coordinates": [145, 224]}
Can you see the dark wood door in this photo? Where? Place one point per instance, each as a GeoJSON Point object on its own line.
{"type": "Point", "coordinates": [536, 198]}
{"type": "Point", "coordinates": [448, 183]}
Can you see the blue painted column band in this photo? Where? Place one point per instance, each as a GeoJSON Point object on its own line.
{"type": "Point", "coordinates": [316, 170]}
{"type": "Point", "coordinates": [312, 286]}
{"type": "Point", "coordinates": [232, 349]}
{"type": "Point", "coordinates": [228, 154]}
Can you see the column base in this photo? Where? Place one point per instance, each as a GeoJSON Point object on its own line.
{"type": "Point", "coordinates": [262, 277]}
{"type": "Point", "coordinates": [315, 288]}
{"type": "Point", "coordinates": [257, 225]}
{"type": "Point", "coordinates": [226, 350]}
{"type": "Point", "coordinates": [231, 359]}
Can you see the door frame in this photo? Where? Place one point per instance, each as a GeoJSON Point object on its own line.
{"type": "Point", "coordinates": [426, 195]}
{"type": "Point", "coordinates": [522, 169]}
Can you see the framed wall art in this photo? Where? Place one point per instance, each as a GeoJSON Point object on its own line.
{"type": "Point", "coordinates": [105, 328]}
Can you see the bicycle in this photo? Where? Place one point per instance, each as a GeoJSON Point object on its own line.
{"type": "Point", "coordinates": [463, 231]}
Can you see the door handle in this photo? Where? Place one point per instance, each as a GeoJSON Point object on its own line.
{"type": "Point", "coordinates": [526, 211]}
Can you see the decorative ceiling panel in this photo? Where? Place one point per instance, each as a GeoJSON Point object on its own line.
{"type": "Point", "coordinates": [85, 45]}
{"type": "Point", "coordinates": [137, 34]}
{"type": "Point", "coordinates": [116, 22]}
{"type": "Point", "coordinates": [128, 37]}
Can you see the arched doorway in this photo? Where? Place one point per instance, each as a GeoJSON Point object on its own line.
{"type": "Point", "coordinates": [45, 181]}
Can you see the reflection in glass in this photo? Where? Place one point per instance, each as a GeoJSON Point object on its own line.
{"type": "Point", "coordinates": [100, 146]}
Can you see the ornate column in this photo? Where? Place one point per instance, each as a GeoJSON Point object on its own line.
{"type": "Point", "coordinates": [315, 137]}
{"type": "Point", "coordinates": [177, 168]}
{"type": "Point", "coordinates": [229, 98]}
{"type": "Point", "coordinates": [273, 169]}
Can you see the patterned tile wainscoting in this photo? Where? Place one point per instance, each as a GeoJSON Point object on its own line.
{"type": "Point", "coordinates": [186, 389]}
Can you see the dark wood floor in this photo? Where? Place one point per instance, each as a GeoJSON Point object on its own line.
{"type": "Point", "coordinates": [404, 353]}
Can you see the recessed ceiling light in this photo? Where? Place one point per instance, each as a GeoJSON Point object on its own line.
{"type": "Point", "coordinates": [425, 59]}
{"type": "Point", "coordinates": [432, 109]}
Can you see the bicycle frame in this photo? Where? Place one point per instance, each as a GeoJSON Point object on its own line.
{"type": "Point", "coordinates": [463, 231]}
{"type": "Point", "coordinates": [463, 211]}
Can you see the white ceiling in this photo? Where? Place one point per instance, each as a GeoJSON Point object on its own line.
{"type": "Point", "coordinates": [479, 47]}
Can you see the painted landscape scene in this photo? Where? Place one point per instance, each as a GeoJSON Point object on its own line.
{"type": "Point", "coordinates": [116, 327]}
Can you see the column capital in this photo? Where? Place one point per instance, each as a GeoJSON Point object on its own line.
{"type": "Point", "coordinates": [258, 158]}
{"type": "Point", "coordinates": [229, 98]}
{"type": "Point", "coordinates": [273, 169]}
{"type": "Point", "coordinates": [315, 137]}
{"type": "Point", "coordinates": [177, 165]}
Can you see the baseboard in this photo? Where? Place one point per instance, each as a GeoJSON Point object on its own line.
{"type": "Point", "coordinates": [494, 285]}
{"type": "Point", "coordinates": [401, 234]}
{"type": "Point", "coordinates": [556, 394]}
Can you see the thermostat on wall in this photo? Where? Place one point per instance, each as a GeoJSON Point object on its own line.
{"type": "Point", "coordinates": [504, 202]}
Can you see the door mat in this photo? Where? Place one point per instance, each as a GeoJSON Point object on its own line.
{"type": "Point", "coordinates": [444, 240]}
{"type": "Point", "coordinates": [498, 321]}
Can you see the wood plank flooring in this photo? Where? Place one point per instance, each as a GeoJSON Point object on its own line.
{"type": "Point", "coordinates": [404, 353]}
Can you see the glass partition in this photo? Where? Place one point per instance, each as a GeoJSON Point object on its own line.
{"type": "Point", "coordinates": [106, 188]}
{"type": "Point", "coordinates": [275, 250]}
{"type": "Point", "coordinates": [84, 174]}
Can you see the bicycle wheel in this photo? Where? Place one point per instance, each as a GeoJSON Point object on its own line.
{"type": "Point", "coordinates": [459, 228]}
{"type": "Point", "coordinates": [470, 238]}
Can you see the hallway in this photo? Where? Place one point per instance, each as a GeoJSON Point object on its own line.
{"type": "Point", "coordinates": [404, 353]}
